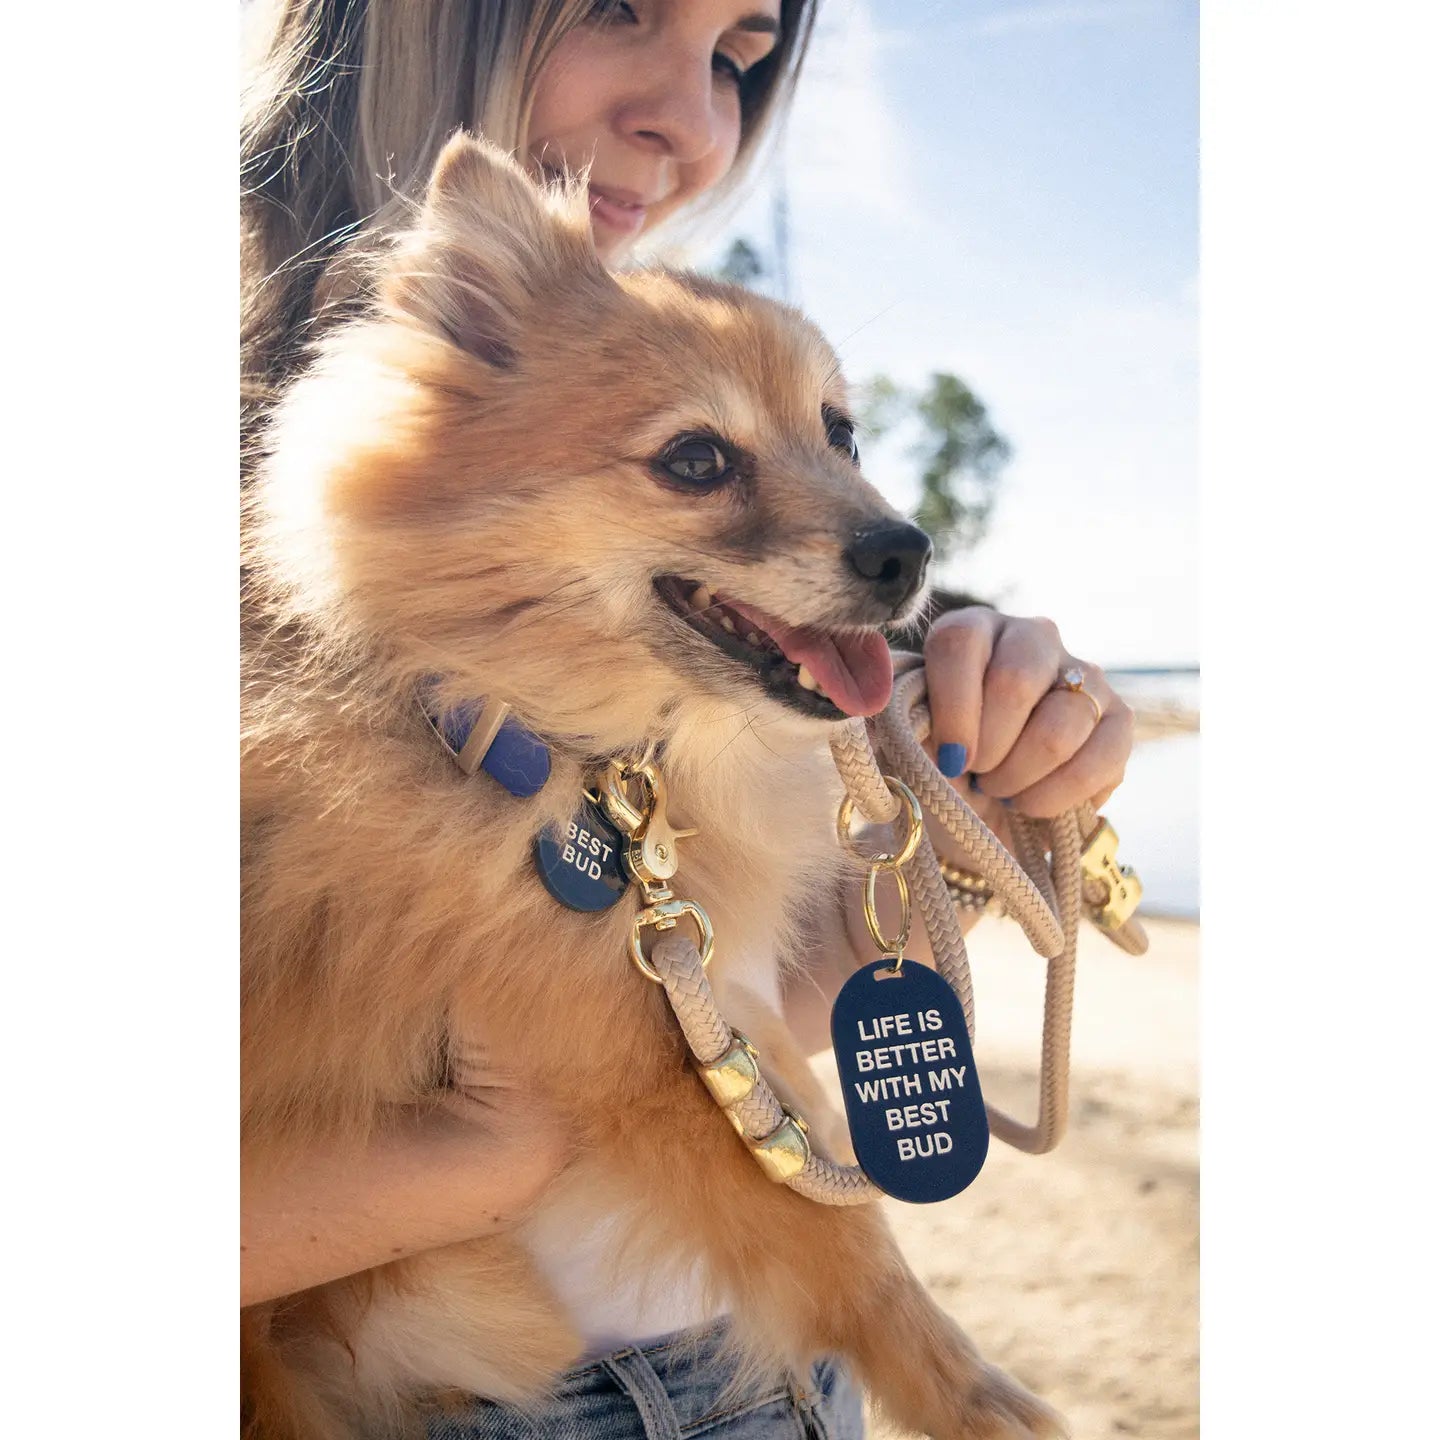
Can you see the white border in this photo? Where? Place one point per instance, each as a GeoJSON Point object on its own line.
{"type": "Point", "coordinates": [1318, 379]}
{"type": "Point", "coordinates": [1319, 334]}
{"type": "Point", "coordinates": [122, 650]}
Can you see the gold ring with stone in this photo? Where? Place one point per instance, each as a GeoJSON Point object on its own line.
{"type": "Point", "coordinates": [1072, 679]}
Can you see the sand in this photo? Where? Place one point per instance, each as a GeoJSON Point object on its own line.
{"type": "Point", "coordinates": [1078, 1270]}
{"type": "Point", "coordinates": [1158, 722]}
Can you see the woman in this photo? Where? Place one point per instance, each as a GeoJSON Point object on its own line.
{"type": "Point", "coordinates": [667, 102]}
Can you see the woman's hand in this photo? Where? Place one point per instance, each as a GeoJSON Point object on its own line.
{"type": "Point", "coordinates": [1000, 729]}
{"type": "Point", "coordinates": [469, 1165]}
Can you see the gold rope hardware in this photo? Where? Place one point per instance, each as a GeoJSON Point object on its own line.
{"type": "Point", "coordinates": [785, 1151]}
{"type": "Point", "coordinates": [734, 1076]}
{"type": "Point", "coordinates": [733, 1079]}
{"type": "Point", "coordinates": [1122, 885]}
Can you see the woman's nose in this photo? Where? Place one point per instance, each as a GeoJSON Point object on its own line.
{"type": "Point", "coordinates": [675, 112]}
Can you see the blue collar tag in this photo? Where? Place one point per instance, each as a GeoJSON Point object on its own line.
{"type": "Point", "coordinates": [912, 1097]}
{"type": "Point", "coordinates": [579, 862]}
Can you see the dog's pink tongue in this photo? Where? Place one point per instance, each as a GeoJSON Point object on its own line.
{"type": "Point", "coordinates": [855, 671]}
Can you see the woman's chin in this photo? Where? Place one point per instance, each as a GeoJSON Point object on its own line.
{"type": "Point", "coordinates": [612, 248]}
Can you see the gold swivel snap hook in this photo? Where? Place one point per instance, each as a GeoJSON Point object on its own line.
{"type": "Point", "coordinates": [651, 856]}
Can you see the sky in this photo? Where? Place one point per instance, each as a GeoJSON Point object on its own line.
{"type": "Point", "coordinates": [1008, 190]}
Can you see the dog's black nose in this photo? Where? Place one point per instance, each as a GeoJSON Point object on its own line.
{"type": "Point", "coordinates": [892, 556]}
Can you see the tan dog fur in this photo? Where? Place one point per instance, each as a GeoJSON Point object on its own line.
{"type": "Point", "coordinates": [460, 487]}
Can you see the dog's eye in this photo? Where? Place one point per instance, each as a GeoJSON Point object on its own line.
{"type": "Point", "coordinates": [696, 461]}
{"type": "Point", "coordinates": [841, 434]}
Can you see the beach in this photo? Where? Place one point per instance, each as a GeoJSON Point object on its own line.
{"type": "Point", "coordinates": [1077, 1271]}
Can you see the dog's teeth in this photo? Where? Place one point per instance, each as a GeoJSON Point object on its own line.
{"type": "Point", "coordinates": [728, 623]}
{"type": "Point", "coordinates": [751, 638]}
{"type": "Point", "coordinates": [806, 679]}
{"type": "Point", "coordinates": [701, 598]}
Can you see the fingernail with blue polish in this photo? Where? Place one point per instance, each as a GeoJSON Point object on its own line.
{"type": "Point", "coordinates": [951, 760]}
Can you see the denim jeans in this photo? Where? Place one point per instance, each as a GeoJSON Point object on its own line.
{"type": "Point", "coordinates": [670, 1389]}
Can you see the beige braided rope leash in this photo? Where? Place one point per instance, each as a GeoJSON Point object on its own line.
{"type": "Point", "coordinates": [758, 1115]}
{"type": "Point", "coordinates": [1046, 899]}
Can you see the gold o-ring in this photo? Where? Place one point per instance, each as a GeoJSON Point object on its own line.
{"type": "Point", "coordinates": [872, 917]}
{"type": "Point", "coordinates": [663, 916]}
{"type": "Point", "coordinates": [915, 819]}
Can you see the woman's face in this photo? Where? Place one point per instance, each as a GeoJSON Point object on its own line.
{"type": "Point", "coordinates": [648, 95]}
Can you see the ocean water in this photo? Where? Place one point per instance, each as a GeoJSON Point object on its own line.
{"type": "Point", "coordinates": [1156, 812]}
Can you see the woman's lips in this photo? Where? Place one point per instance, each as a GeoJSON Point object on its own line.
{"type": "Point", "coordinates": [617, 210]}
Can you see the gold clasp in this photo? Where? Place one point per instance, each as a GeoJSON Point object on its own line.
{"type": "Point", "coordinates": [1122, 885]}
{"type": "Point", "coordinates": [651, 852]}
{"type": "Point", "coordinates": [623, 812]}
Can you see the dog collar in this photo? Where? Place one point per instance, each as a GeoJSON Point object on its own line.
{"type": "Point", "coordinates": [482, 734]}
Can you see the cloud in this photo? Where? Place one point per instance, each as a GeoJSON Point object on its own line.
{"type": "Point", "coordinates": [843, 161]}
{"type": "Point", "coordinates": [1063, 15]}
{"type": "Point", "coordinates": [845, 148]}
{"type": "Point", "coordinates": [1097, 517]}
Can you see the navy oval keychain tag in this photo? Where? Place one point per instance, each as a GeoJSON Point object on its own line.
{"type": "Point", "coordinates": [580, 863]}
{"type": "Point", "coordinates": [912, 1097]}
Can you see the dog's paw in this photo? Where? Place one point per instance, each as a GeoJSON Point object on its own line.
{"type": "Point", "coordinates": [997, 1408]}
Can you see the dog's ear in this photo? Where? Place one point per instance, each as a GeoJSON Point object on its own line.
{"type": "Point", "coordinates": [489, 243]}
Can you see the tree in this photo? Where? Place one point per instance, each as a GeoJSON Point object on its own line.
{"type": "Point", "coordinates": [742, 264]}
{"type": "Point", "coordinates": [961, 454]}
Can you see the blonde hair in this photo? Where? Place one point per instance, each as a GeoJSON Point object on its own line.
{"type": "Point", "coordinates": [347, 104]}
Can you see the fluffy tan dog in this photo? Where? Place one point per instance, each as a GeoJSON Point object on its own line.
{"type": "Point", "coordinates": [513, 475]}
